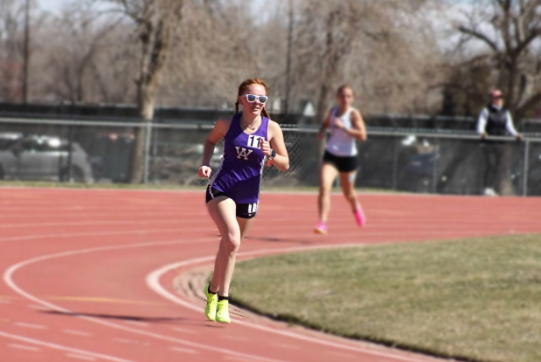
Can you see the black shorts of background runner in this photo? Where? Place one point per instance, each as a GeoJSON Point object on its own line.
{"type": "Point", "coordinates": [343, 164]}
{"type": "Point", "coordinates": [244, 211]}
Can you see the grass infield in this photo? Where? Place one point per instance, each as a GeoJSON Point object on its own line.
{"type": "Point", "coordinates": [476, 300]}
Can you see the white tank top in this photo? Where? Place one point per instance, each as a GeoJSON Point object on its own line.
{"type": "Point", "coordinates": [340, 143]}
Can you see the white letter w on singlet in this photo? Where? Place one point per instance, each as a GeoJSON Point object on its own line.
{"type": "Point", "coordinates": [243, 152]}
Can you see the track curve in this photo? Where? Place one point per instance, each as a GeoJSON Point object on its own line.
{"type": "Point", "coordinates": [88, 274]}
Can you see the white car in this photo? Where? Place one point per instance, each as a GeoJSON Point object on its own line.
{"type": "Point", "coordinates": [36, 157]}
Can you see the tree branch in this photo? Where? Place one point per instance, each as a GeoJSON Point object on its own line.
{"type": "Point", "coordinates": [480, 36]}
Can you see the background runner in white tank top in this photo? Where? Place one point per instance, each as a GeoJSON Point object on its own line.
{"type": "Point", "coordinates": [340, 158]}
{"type": "Point", "coordinates": [340, 142]}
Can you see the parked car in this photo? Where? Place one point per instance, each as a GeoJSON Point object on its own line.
{"type": "Point", "coordinates": [40, 157]}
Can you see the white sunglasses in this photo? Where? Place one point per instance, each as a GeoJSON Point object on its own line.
{"type": "Point", "coordinates": [251, 98]}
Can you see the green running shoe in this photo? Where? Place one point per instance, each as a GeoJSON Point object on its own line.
{"type": "Point", "coordinates": [212, 304]}
{"type": "Point", "coordinates": [222, 315]}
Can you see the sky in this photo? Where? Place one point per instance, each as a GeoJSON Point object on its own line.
{"type": "Point", "coordinates": [52, 5]}
{"type": "Point", "coordinates": [56, 5]}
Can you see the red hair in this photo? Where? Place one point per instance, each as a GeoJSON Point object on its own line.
{"type": "Point", "coordinates": [244, 86]}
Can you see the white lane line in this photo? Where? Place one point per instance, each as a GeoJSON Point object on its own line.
{"type": "Point", "coordinates": [130, 341]}
{"type": "Point", "coordinates": [81, 357]}
{"type": "Point", "coordinates": [2, 301]}
{"type": "Point", "coordinates": [182, 330]}
{"type": "Point", "coordinates": [62, 348]}
{"type": "Point", "coordinates": [183, 350]}
{"type": "Point", "coordinates": [283, 345]}
{"type": "Point", "coordinates": [122, 340]}
{"type": "Point", "coordinates": [8, 279]}
{"type": "Point", "coordinates": [75, 235]}
{"type": "Point", "coordinates": [89, 223]}
{"type": "Point", "coordinates": [77, 333]}
{"type": "Point", "coordinates": [28, 325]}
{"type": "Point", "coordinates": [26, 348]}
{"type": "Point", "coordinates": [153, 282]}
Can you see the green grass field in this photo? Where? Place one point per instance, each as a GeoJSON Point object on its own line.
{"type": "Point", "coordinates": [477, 300]}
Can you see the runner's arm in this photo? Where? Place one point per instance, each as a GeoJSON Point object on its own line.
{"type": "Point", "coordinates": [281, 160]}
{"type": "Point", "coordinates": [216, 135]}
{"type": "Point", "coordinates": [326, 124]}
{"type": "Point", "coordinates": [359, 129]}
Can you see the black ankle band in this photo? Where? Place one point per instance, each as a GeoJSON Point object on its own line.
{"type": "Point", "coordinates": [222, 298]}
{"type": "Point", "coordinates": [210, 291]}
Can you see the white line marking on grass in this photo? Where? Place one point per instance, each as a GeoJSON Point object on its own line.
{"type": "Point", "coordinates": [78, 356]}
{"type": "Point", "coordinates": [77, 333]}
{"type": "Point", "coordinates": [28, 325]}
{"type": "Point", "coordinates": [62, 348]}
{"type": "Point", "coordinates": [183, 350]}
{"type": "Point", "coordinates": [26, 348]}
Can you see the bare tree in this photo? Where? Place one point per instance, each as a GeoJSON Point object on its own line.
{"type": "Point", "coordinates": [78, 37]}
{"type": "Point", "coordinates": [509, 30]}
{"type": "Point", "coordinates": [11, 49]}
{"type": "Point", "coordinates": [157, 22]}
{"type": "Point", "coordinates": [214, 53]}
{"type": "Point", "coordinates": [85, 56]}
{"type": "Point", "coordinates": [369, 45]}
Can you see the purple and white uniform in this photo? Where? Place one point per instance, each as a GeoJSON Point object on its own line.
{"type": "Point", "coordinates": [239, 175]}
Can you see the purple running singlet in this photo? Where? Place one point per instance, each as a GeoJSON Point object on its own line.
{"type": "Point", "coordinates": [239, 175]}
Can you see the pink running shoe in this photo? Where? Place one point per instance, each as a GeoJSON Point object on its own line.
{"type": "Point", "coordinates": [359, 217]}
{"type": "Point", "coordinates": [320, 228]}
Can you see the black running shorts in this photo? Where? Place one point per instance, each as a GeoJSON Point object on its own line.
{"type": "Point", "coordinates": [244, 211]}
{"type": "Point", "coordinates": [342, 163]}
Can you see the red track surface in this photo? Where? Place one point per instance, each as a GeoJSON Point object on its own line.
{"type": "Point", "coordinates": [87, 274]}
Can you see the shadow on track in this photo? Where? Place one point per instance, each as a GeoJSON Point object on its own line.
{"type": "Point", "coordinates": [126, 317]}
{"type": "Point", "coordinates": [279, 240]}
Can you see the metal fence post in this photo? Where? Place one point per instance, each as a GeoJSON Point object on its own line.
{"type": "Point", "coordinates": [148, 138]}
{"type": "Point", "coordinates": [525, 168]}
{"type": "Point", "coordinates": [395, 163]}
{"type": "Point", "coordinates": [435, 168]}
{"type": "Point", "coordinates": [69, 170]}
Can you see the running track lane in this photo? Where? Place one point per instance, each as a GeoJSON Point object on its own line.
{"type": "Point", "coordinates": [88, 274]}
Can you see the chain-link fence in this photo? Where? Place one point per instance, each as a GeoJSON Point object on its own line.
{"type": "Point", "coordinates": [88, 151]}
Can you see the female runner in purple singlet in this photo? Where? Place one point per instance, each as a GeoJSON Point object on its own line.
{"type": "Point", "coordinates": [232, 195]}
